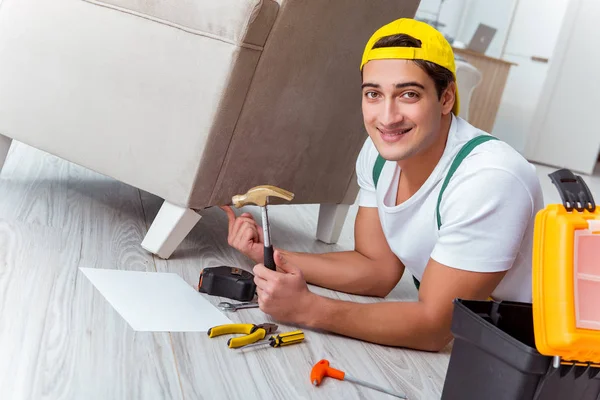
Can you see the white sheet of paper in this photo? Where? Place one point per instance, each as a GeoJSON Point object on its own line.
{"type": "Point", "coordinates": [155, 301]}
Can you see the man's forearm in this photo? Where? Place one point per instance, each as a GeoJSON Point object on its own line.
{"type": "Point", "coordinates": [347, 271]}
{"type": "Point", "coordinates": [401, 324]}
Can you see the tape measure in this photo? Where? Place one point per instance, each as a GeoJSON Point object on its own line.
{"type": "Point", "coordinates": [231, 282]}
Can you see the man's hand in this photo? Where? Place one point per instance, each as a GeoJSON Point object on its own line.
{"type": "Point", "coordinates": [245, 235]}
{"type": "Point", "coordinates": [283, 294]}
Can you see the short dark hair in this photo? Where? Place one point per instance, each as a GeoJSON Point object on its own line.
{"type": "Point", "coordinates": [442, 77]}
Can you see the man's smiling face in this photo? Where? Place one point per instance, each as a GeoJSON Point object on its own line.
{"type": "Point", "coordinates": [401, 109]}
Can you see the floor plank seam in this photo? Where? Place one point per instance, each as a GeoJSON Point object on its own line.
{"type": "Point", "coordinates": [59, 341]}
{"type": "Point", "coordinates": [176, 366]}
{"type": "Point", "coordinates": [175, 361]}
{"type": "Point", "coordinates": [38, 364]}
{"type": "Point", "coordinates": [146, 225]}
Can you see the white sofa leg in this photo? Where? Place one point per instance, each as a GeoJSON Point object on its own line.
{"type": "Point", "coordinates": [331, 221]}
{"type": "Point", "coordinates": [4, 147]}
{"type": "Point", "coordinates": [169, 228]}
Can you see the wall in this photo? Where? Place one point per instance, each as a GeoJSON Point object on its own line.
{"type": "Point", "coordinates": [565, 130]}
{"type": "Point", "coordinates": [463, 16]}
{"type": "Point", "coordinates": [525, 28]}
{"type": "Point", "coordinates": [497, 14]}
{"type": "Point", "coordinates": [451, 14]}
{"type": "Point", "coordinates": [533, 33]}
{"type": "Point", "coordinates": [535, 27]}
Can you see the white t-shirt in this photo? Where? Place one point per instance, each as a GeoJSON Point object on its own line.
{"type": "Point", "coordinates": [487, 211]}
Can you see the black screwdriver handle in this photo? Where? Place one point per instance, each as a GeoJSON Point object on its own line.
{"type": "Point", "coordinates": [269, 260]}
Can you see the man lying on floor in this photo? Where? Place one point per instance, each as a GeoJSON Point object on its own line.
{"type": "Point", "coordinates": [438, 197]}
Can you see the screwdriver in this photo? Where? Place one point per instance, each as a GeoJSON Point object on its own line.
{"type": "Point", "coordinates": [322, 369]}
{"type": "Point", "coordinates": [282, 339]}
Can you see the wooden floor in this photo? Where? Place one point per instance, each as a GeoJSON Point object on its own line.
{"type": "Point", "coordinates": [60, 339]}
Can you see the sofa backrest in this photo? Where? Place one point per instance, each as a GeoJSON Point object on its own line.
{"type": "Point", "coordinates": [301, 126]}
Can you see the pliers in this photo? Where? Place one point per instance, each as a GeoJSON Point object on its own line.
{"type": "Point", "coordinates": [253, 332]}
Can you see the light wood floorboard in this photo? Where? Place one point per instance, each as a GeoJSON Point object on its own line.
{"type": "Point", "coordinates": [59, 338]}
{"type": "Point", "coordinates": [208, 369]}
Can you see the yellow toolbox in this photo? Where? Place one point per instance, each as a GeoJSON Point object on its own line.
{"type": "Point", "coordinates": [566, 274]}
{"type": "Point", "coordinates": [549, 349]}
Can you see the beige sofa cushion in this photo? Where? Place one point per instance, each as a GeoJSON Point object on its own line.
{"type": "Point", "coordinates": [244, 23]}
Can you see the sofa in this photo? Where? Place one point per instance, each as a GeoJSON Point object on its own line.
{"type": "Point", "coordinates": [194, 101]}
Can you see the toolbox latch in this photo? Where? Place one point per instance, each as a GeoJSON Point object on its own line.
{"type": "Point", "coordinates": [573, 191]}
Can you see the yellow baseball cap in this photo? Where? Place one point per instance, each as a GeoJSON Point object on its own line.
{"type": "Point", "coordinates": [434, 47]}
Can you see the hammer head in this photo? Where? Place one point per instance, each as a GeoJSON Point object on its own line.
{"type": "Point", "coordinates": [259, 196]}
{"type": "Point", "coordinates": [322, 369]}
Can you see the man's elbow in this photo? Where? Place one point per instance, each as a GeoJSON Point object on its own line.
{"type": "Point", "coordinates": [437, 343]}
{"type": "Point", "coordinates": [436, 346]}
{"type": "Point", "coordinates": [380, 289]}
{"type": "Point", "coordinates": [385, 284]}
{"type": "Point", "coordinates": [378, 292]}
{"type": "Point", "coordinates": [373, 291]}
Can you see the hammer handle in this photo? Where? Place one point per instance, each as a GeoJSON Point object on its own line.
{"type": "Point", "coordinates": [269, 260]}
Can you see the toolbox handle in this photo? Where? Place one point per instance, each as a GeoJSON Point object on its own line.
{"type": "Point", "coordinates": [573, 191]}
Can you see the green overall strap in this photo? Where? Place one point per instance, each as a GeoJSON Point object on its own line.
{"type": "Point", "coordinates": [462, 154]}
{"type": "Point", "coordinates": [377, 169]}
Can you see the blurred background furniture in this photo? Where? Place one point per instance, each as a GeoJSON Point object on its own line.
{"type": "Point", "coordinates": [486, 99]}
{"type": "Point", "coordinates": [194, 101]}
{"type": "Point", "coordinates": [467, 79]}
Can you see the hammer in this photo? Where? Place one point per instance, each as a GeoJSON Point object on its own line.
{"type": "Point", "coordinates": [259, 196]}
{"type": "Point", "coordinates": [322, 369]}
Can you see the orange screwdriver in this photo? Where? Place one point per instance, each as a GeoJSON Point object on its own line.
{"type": "Point", "coordinates": [282, 339]}
{"type": "Point", "coordinates": [322, 369]}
